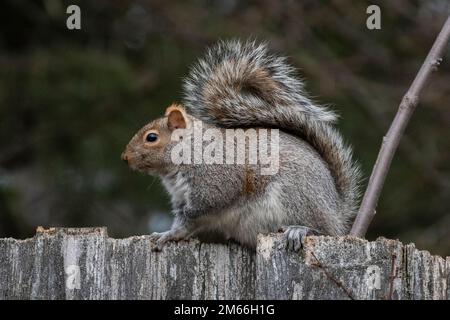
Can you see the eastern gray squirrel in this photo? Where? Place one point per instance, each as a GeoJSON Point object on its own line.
{"type": "Point", "coordinates": [241, 85]}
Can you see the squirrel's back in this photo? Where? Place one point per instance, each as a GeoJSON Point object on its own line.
{"type": "Point", "coordinates": [242, 85]}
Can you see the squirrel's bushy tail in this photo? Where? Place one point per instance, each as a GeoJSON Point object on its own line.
{"type": "Point", "coordinates": [241, 84]}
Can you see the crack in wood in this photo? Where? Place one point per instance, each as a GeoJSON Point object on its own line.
{"type": "Point", "coordinates": [331, 277]}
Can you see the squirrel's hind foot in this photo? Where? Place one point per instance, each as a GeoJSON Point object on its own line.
{"type": "Point", "coordinates": [295, 236]}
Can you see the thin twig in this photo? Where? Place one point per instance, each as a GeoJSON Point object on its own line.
{"type": "Point", "coordinates": [392, 138]}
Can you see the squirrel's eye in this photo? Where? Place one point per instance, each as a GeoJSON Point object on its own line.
{"type": "Point", "coordinates": [151, 137]}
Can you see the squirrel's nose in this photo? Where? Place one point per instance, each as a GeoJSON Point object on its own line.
{"type": "Point", "coordinates": [125, 157]}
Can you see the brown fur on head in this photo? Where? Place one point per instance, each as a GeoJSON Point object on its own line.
{"type": "Point", "coordinates": [148, 150]}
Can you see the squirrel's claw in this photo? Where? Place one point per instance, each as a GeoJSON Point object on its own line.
{"type": "Point", "coordinates": [295, 236]}
{"type": "Point", "coordinates": [155, 235]}
{"type": "Point", "coordinates": [161, 238]}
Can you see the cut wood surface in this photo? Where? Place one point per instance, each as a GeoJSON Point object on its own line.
{"type": "Point", "coordinates": [71, 263]}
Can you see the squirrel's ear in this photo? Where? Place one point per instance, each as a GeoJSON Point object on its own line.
{"type": "Point", "coordinates": [176, 117]}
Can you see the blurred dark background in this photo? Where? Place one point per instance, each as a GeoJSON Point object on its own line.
{"type": "Point", "coordinates": [71, 99]}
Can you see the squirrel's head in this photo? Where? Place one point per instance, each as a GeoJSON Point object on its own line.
{"type": "Point", "coordinates": [149, 151]}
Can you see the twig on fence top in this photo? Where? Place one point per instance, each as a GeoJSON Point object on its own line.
{"type": "Point", "coordinates": [392, 138]}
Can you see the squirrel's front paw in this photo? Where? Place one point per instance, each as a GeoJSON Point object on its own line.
{"type": "Point", "coordinates": [295, 236]}
{"type": "Point", "coordinates": [162, 237]}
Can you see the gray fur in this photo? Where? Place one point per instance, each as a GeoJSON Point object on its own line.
{"type": "Point", "coordinates": [287, 108]}
{"type": "Point", "coordinates": [243, 86]}
{"type": "Point", "coordinates": [302, 193]}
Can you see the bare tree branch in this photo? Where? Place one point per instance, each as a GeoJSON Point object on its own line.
{"type": "Point", "coordinates": [392, 138]}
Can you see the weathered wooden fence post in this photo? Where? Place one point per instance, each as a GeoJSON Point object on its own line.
{"type": "Point", "coordinates": [64, 263]}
